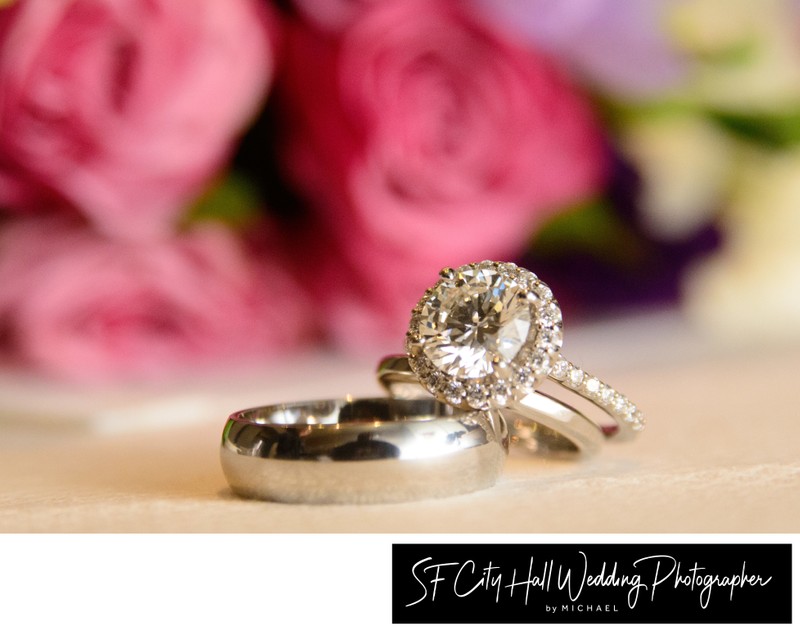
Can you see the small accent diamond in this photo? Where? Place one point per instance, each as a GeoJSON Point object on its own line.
{"type": "Point", "coordinates": [524, 377]}
{"type": "Point", "coordinates": [549, 338]}
{"type": "Point", "coordinates": [560, 370]}
{"type": "Point", "coordinates": [552, 316]}
{"type": "Point", "coordinates": [543, 292]}
{"type": "Point", "coordinates": [540, 362]}
{"type": "Point", "coordinates": [500, 393]}
{"type": "Point", "coordinates": [431, 382]}
{"type": "Point", "coordinates": [454, 393]}
{"type": "Point", "coordinates": [592, 386]}
{"type": "Point", "coordinates": [575, 378]}
{"type": "Point", "coordinates": [476, 397]}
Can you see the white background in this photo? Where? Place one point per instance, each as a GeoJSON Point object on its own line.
{"type": "Point", "coordinates": [240, 582]}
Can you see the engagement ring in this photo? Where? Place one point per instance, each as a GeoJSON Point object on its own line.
{"type": "Point", "coordinates": [488, 336]}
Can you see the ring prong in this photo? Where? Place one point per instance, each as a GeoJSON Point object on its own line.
{"type": "Point", "coordinates": [447, 273]}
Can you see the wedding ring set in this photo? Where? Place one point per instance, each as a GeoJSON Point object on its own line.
{"type": "Point", "coordinates": [482, 372]}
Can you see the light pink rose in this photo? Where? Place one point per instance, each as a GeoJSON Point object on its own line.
{"type": "Point", "coordinates": [77, 305]}
{"type": "Point", "coordinates": [123, 108]}
{"type": "Point", "coordinates": [423, 139]}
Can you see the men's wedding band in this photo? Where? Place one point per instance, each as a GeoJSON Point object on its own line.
{"type": "Point", "coordinates": [378, 450]}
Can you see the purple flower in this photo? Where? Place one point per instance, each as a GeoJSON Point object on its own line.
{"type": "Point", "coordinates": [619, 46]}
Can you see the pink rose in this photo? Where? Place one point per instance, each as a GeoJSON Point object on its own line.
{"type": "Point", "coordinates": [124, 108]}
{"type": "Point", "coordinates": [423, 139]}
{"type": "Point", "coordinates": [77, 305]}
{"type": "Point", "coordinates": [333, 15]}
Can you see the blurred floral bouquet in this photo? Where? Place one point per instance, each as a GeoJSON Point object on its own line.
{"type": "Point", "coordinates": [190, 184]}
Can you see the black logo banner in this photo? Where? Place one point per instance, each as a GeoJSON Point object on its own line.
{"type": "Point", "coordinates": [591, 583]}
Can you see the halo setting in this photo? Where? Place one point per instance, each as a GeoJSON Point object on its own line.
{"type": "Point", "coordinates": [484, 333]}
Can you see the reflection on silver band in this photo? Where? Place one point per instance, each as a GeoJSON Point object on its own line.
{"type": "Point", "coordinates": [538, 421]}
{"type": "Point", "coordinates": [361, 450]}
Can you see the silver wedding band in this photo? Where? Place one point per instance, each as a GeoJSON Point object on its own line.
{"type": "Point", "coordinates": [379, 450]}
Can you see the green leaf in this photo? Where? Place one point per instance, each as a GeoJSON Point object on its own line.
{"type": "Point", "coordinates": [592, 228]}
{"type": "Point", "coordinates": [231, 200]}
{"type": "Point", "coordinates": [777, 130]}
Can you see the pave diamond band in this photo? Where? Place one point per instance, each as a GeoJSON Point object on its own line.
{"type": "Point", "coordinates": [488, 335]}
{"type": "Point", "coordinates": [627, 416]}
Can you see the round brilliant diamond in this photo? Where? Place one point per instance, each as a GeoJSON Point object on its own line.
{"type": "Point", "coordinates": [470, 325]}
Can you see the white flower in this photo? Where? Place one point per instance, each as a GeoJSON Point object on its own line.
{"type": "Point", "coordinates": [746, 54]}
{"type": "Point", "coordinates": [684, 161]}
{"type": "Point", "coordinates": [750, 291]}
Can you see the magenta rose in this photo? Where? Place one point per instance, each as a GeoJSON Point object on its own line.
{"type": "Point", "coordinates": [123, 108]}
{"type": "Point", "coordinates": [77, 305]}
{"type": "Point", "coordinates": [423, 139]}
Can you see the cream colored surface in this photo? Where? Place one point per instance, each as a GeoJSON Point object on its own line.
{"type": "Point", "coordinates": [721, 453]}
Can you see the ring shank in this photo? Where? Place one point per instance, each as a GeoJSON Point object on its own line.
{"type": "Point", "coordinates": [538, 422]}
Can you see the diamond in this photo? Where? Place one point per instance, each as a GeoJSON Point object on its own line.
{"type": "Point", "coordinates": [592, 386]}
{"type": "Point", "coordinates": [540, 362]}
{"type": "Point", "coordinates": [477, 397]}
{"type": "Point", "coordinates": [551, 317]}
{"type": "Point", "coordinates": [528, 277]}
{"type": "Point", "coordinates": [524, 378]}
{"type": "Point", "coordinates": [560, 370]}
{"type": "Point", "coordinates": [575, 377]}
{"type": "Point", "coordinates": [607, 395]}
{"type": "Point", "coordinates": [453, 393]}
{"type": "Point", "coordinates": [423, 370]}
{"type": "Point", "coordinates": [477, 327]}
{"type": "Point", "coordinates": [543, 293]}
{"type": "Point", "coordinates": [431, 382]}
{"type": "Point", "coordinates": [500, 393]}
{"type": "Point", "coordinates": [616, 404]}
{"type": "Point", "coordinates": [480, 319]}
{"type": "Point", "coordinates": [549, 338]}
{"type": "Point", "coordinates": [413, 346]}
